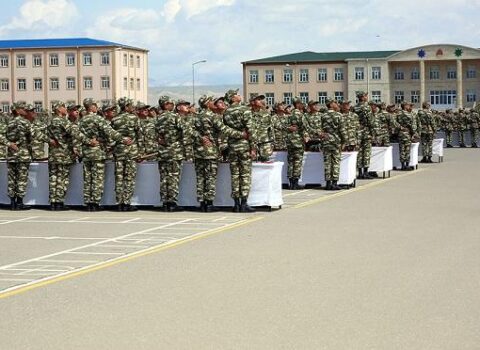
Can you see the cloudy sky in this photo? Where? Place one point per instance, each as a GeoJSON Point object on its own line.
{"type": "Point", "coordinates": [227, 32]}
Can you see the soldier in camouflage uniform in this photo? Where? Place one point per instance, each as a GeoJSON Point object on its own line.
{"type": "Point", "coordinates": [240, 151]}
{"type": "Point", "coordinates": [462, 126]}
{"type": "Point", "coordinates": [449, 127]}
{"type": "Point", "coordinates": [39, 133]}
{"type": "Point", "coordinates": [188, 119]}
{"type": "Point", "coordinates": [387, 126]}
{"type": "Point", "coordinates": [149, 140]}
{"type": "Point", "coordinates": [366, 134]}
{"type": "Point", "coordinates": [95, 127]}
{"type": "Point", "coordinates": [296, 138]}
{"type": "Point", "coordinates": [474, 124]}
{"type": "Point", "coordinates": [428, 128]}
{"type": "Point", "coordinates": [313, 126]}
{"type": "Point", "coordinates": [63, 138]}
{"type": "Point", "coordinates": [407, 131]}
{"type": "Point", "coordinates": [280, 132]}
{"type": "Point", "coordinates": [19, 139]}
{"type": "Point", "coordinates": [208, 129]}
{"type": "Point", "coordinates": [172, 132]}
{"type": "Point", "coordinates": [3, 136]}
{"type": "Point", "coordinates": [264, 128]}
{"type": "Point", "coordinates": [127, 124]}
{"type": "Point", "coordinates": [352, 126]}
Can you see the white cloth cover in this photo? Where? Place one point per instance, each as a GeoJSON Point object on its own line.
{"type": "Point", "coordinates": [381, 159]}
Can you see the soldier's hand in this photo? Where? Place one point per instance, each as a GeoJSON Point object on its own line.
{"type": "Point", "coordinates": [245, 135]}
{"type": "Point", "coordinates": [323, 135]}
{"type": "Point", "coordinates": [94, 142]}
{"type": "Point", "coordinates": [307, 139]}
{"type": "Point", "coordinates": [161, 141]}
{"type": "Point", "coordinates": [206, 141]}
{"type": "Point", "coordinates": [53, 143]}
{"type": "Point", "coordinates": [127, 141]}
{"type": "Point", "coordinates": [253, 154]}
{"type": "Point", "coordinates": [292, 128]}
{"type": "Point", "coordinates": [76, 152]}
{"type": "Point", "coordinates": [13, 146]}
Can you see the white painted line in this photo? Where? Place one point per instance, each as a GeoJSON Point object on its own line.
{"type": "Point", "coordinates": [92, 253]}
{"type": "Point", "coordinates": [70, 261]}
{"type": "Point", "coordinates": [56, 237]}
{"type": "Point", "coordinates": [295, 193]}
{"type": "Point", "coordinates": [16, 279]}
{"type": "Point", "coordinates": [18, 220]}
{"type": "Point", "coordinates": [131, 220]}
{"type": "Point", "coordinates": [78, 219]}
{"type": "Point", "coordinates": [122, 246]}
{"type": "Point", "coordinates": [219, 219]}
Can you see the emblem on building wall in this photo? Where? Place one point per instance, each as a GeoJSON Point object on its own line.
{"type": "Point", "coordinates": [439, 53]}
{"type": "Point", "coordinates": [421, 53]}
{"type": "Point", "coordinates": [458, 52]}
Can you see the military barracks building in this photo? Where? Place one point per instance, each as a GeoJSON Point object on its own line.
{"type": "Point", "coordinates": [43, 71]}
{"type": "Point", "coordinates": [448, 76]}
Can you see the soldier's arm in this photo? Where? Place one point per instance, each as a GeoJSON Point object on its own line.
{"type": "Point", "coordinates": [112, 134]}
{"type": "Point", "coordinates": [252, 132]}
{"type": "Point", "coordinates": [227, 131]}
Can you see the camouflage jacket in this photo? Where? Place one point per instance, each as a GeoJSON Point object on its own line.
{"type": "Point", "coordinates": [367, 121]}
{"type": "Point", "coordinates": [239, 117]}
{"type": "Point", "coordinates": [175, 133]}
{"type": "Point", "coordinates": [209, 125]}
{"type": "Point", "coordinates": [127, 125]}
{"type": "Point", "coordinates": [296, 139]}
{"type": "Point", "coordinates": [474, 120]}
{"type": "Point", "coordinates": [19, 131]}
{"type": "Point", "coordinates": [94, 126]}
{"type": "Point", "coordinates": [280, 133]}
{"type": "Point", "coordinates": [149, 138]}
{"type": "Point", "coordinates": [387, 124]}
{"type": "Point", "coordinates": [352, 128]}
{"type": "Point", "coordinates": [427, 122]}
{"type": "Point", "coordinates": [67, 137]}
{"type": "Point", "coordinates": [188, 144]}
{"type": "Point", "coordinates": [406, 122]}
{"type": "Point", "coordinates": [334, 127]}
{"type": "Point", "coordinates": [39, 138]}
{"type": "Point", "coordinates": [3, 137]}
{"type": "Point", "coordinates": [264, 125]}
{"type": "Point", "coordinates": [313, 126]}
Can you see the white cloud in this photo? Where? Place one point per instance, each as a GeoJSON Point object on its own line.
{"type": "Point", "coordinates": [170, 10]}
{"type": "Point", "coordinates": [190, 7]}
{"type": "Point", "coordinates": [42, 14]}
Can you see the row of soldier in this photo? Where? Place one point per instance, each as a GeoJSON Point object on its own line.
{"type": "Point", "coordinates": [223, 129]}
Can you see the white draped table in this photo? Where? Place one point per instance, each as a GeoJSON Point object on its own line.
{"type": "Point", "coordinates": [381, 160]}
{"type": "Point", "coordinates": [413, 155]}
{"type": "Point", "coordinates": [266, 189]}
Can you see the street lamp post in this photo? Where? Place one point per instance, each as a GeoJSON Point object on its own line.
{"type": "Point", "coordinates": [193, 78]}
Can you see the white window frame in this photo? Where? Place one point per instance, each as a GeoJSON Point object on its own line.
{"type": "Point", "coordinates": [415, 96]}
{"type": "Point", "coordinates": [398, 74]}
{"type": "Point", "coordinates": [359, 73]}
{"type": "Point", "coordinates": [138, 61]}
{"type": "Point", "coordinates": [87, 83]}
{"type": "Point", "coordinates": [132, 84]}
{"type": "Point", "coordinates": [125, 60]}
{"type": "Point", "coordinates": [322, 97]}
{"type": "Point", "coordinates": [38, 105]}
{"type": "Point", "coordinates": [434, 73]}
{"type": "Point", "coordinates": [338, 74]}
{"type": "Point", "coordinates": [21, 58]}
{"type": "Point", "coordinates": [4, 61]}
{"type": "Point", "coordinates": [70, 59]}
{"type": "Point", "coordinates": [71, 83]}
{"type": "Point", "coordinates": [376, 96]}
{"type": "Point", "coordinates": [471, 95]}
{"type": "Point", "coordinates": [399, 96]}
{"type": "Point", "coordinates": [131, 61]}
{"type": "Point", "coordinates": [37, 84]}
{"type": "Point", "coordinates": [105, 58]}
{"type": "Point", "coordinates": [54, 83]}
{"type": "Point", "coordinates": [415, 73]}
{"type": "Point", "coordinates": [451, 73]}
{"type": "Point", "coordinates": [5, 107]}
{"type": "Point", "coordinates": [139, 85]}
{"type": "Point", "coordinates": [269, 76]}
{"type": "Point", "coordinates": [105, 82]}
{"type": "Point", "coordinates": [304, 97]}
{"type": "Point", "coordinates": [269, 98]}
{"type": "Point", "coordinates": [87, 58]}
{"type": "Point", "coordinates": [303, 76]}
{"type": "Point", "coordinates": [376, 73]}
{"type": "Point", "coordinates": [288, 75]}
{"type": "Point", "coordinates": [36, 60]}
{"type": "Point", "coordinates": [471, 72]}
{"type": "Point", "coordinates": [253, 76]}
{"type": "Point", "coordinates": [338, 95]}
{"type": "Point", "coordinates": [322, 75]}
{"type": "Point", "coordinates": [125, 83]}
{"type": "Point", "coordinates": [53, 60]}
{"type": "Point", "coordinates": [287, 98]}
{"type": "Point", "coordinates": [24, 84]}
{"type": "Point", "coordinates": [4, 84]}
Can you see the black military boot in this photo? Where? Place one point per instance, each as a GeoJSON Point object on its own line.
{"type": "Point", "coordinates": [360, 173]}
{"type": "Point", "coordinates": [20, 205]}
{"type": "Point", "coordinates": [129, 207]}
{"type": "Point", "coordinates": [296, 185]}
{"type": "Point", "coordinates": [53, 206]}
{"type": "Point", "coordinates": [202, 206]}
{"type": "Point", "coordinates": [209, 207]}
{"type": "Point", "coordinates": [429, 160]}
{"type": "Point", "coordinates": [236, 206]}
{"type": "Point", "coordinates": [424, 160]}
{"type": "Point", "coordinates": [366, 175]}
{"type": "Point", "coordinates": [120, 207]}
{"type": "Point", "coordinates": [245, 208]}
{"type": "Point", "coordinates": [13, 203]}
{"type": "Point", "coordinates": [449, 145]}
{"type": "Point", "coordinates": [165, 206]}
{"type": "Point", "coordinates": [335, 186]}
{"type": "Point", "coordinates": [173, 207]}
{"type": "Point", "coordinates": [329, 185]}
{"type": "Point", "coordinates": [462, 145]}
{"type": "Point", "coordinates": [62, 207]}
{"type": "Point", "coordinates": [474, 145]}
{"type": "Point", "coordinates": [290, 183]}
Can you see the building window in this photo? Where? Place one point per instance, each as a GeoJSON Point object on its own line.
{"type": "Point", "coordinates": [87, 59]}
{"type": "Point", "coordinates": [252, 96]}
{"type": "Point", "coordinates": [338, 74]}
{"type": "Point", "coordinates": [70, 83]}
{"type": "Point", "coordinates": [415, 96]}
{"type": "Point", "coordinates": [270, 98]}
{"type": "Point", "coordinates": [37, 60]}
{"type": "Point", "coordinates": [322, 74]}
{"type": "Point", "coordinates": [304, 97]}
{"type": "Point", "coordinates": [105, 58]}
{"type": "Point", "coordinates": [87, 83]}
{"type": "Point", "coordinates": [37, 84]}
{"type": "Point", "coordinates": [359, 73]}
{"type": "Point", "coordinates": [287, 98]}
{"type": "Point", "coordinates": [138, 85]}
{"type": "Point", "coordinates": [452, 73]}
{"type": "Point", "coordinates": [38, 105]}
{"type": "Point", "coordinates": [399, 96]}
{"type": "Point", "coordinates": [376, 96]}
{"type": "Point", "coordinates": [415, 74]}
{"type": "Point", "coordinates": [54, 84]}
{"type": "Point", "coordinates": [322, 97]}
{"type": "Point", "coordinates": [4, 85]}
{"type": "Point", "coordinates": [21, 61]}
{"type": "Point", "coordinates": [434, 73]}
{"type": "Point", "coordinates": [471, 72]}
{"type": "Point", "coordinates": [53, 60]}
{"type": "Point", "coordinates": [338, 95]}
{"type": "Point", "coordinates": [131, 61]}
{"type": "Point", "coordinates": [125, 84]}
{"type": "Point", "coordinates": [253, 76]}
{"type": "Point", "coordinates": [138, 61]}
{"type": "Point", "coordinates": [125, 60]}
{"type": "Point", "coordinates": [287, 75]}
{"type": "Point", "coordinates": [398, 74]}
{"type": "Point", "coordinates": [376, 73]}
{"type": "Point", "coordinates": [443, 97]}
{"type": "Point", "coordinates": [70, 59]}
{"type": "Point", "coordinates": [132, 84]}
{"type": "Point", "coordinates": [269, 76]}
{"type": "Point", "coordinates": [21, 84]}
{"type": "Point", "coordinates": [4, 61]}
{"type": "Point", "coordinates": [303, 78]}
{"type": "Point", "coordinates": [105, 82]}
{"type": "Point", "coordinates": [5, 107]}
{"type": "Point", "coordinates": [471, 96]}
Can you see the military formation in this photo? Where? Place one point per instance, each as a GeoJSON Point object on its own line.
{"type": "Point", "coordinates": [221, 129]}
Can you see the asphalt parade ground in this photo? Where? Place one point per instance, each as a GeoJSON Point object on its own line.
{"type": "Point", "coordinates": [391, 264]}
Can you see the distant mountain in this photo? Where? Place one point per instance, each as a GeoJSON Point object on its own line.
{"type": "Point", "coordinates": [185, 92]}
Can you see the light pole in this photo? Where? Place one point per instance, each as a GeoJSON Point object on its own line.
{"type": "Point", "coordinates": [193, 78]}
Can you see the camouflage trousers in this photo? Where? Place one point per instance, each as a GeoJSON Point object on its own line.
{"type": "Point", "coordinates": [295, 162]}
{"type": "Point", "coordinates": [17, 179]}
{"type": "Point", "coordinates": [93, 179]}
{"type": "Point", "coordinates": [427, 143]}
{"type": "Point", "coordinates": [265, 151]}
{"type": "Point", "coordinates": [58, 181]}
{"type": "Point", "coordinates": [125, 174]}
{"type": "Point", "coordinates": [331, 160]}
{"type": "Point", "coordinates": [3, 152]}
{"type": "Point", "coordinates": [206, 171]}
{"type": "Point", "coordinates": [38, 149]}
{"type": "Point", "coordinates": [474, 134]}
{"type": "Point", "coordinates": [404, 145]}
{"type": "Point", "coordinates": [364, 153]}
{"type": "Point", "coordinates": [448, 136]}
{"type": "Point", "coordinates": [170, 172]}
{"type": "Point", "coordinates": [461, 137]}
{"type": "Point", "coordinates": [241, 173]}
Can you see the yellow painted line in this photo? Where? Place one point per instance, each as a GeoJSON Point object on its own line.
{"type": "Point", "coordinates": [356, 189]}
{"type": "Point", "coordinates": [120, 260]}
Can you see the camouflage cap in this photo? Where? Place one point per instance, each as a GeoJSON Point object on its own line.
{"type": "Point", "coordinates": [404, 103]}
{"type": "Point", "coordinates": [221, 98]}
{"type": "Point", "coordinates": [141, 105]}
{"type": "Point", "coordinates": [345, 102]}
{"type": "Point", "coordinates": [57, 104]}
{"type": "Point", "coordinates": [72, 106]}
{"type": "Point", "coordinates": [254, 97]}
{"type": "Point", "coordinates": [18, 105]}
{"type": "Point", "coordinates": [162, 100]}
{"type": "Point", "coordinates": [371, 102]}
{"type": "Point", "coordinates": [183, 102]}
{"type": "Point", "coordinates": [109, 106]}
{"type": "Point", "coordinates": [278, 104]}
{"type": "Point", "coordinates": [361, 93]}
{"type": "Point", "coordinates": [313, 102]}
{"type": "Point", "coordinates": [125, 101]}
{"type": "Point", "coordinates": [296, 100]}
{"type": "Point", "coordinates": [89, 102]}
{"type": "Point", "coordinates": [229, 94]}
{"type": "Point", "coordinates": [202, 101]}
{"type": "Point", "coordinates": [29, 107]}
{"type": "Point", "coordinates": [329, 100]}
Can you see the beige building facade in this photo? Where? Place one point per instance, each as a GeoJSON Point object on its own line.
{"type": "Point", "coordinates": [43, 71]}
{"type": "Point", "coordinates": [446, 75]}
